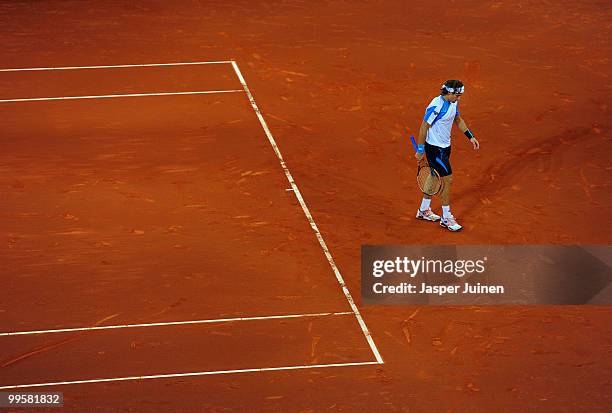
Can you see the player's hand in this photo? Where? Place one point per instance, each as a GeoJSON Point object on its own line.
{"type": "Point", "coordinates": [419, 156]}
{"type": "Point", "coordinates": [475, 143]}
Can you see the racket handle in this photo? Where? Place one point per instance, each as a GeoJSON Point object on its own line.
{"type": "Point", "coordinates": [414, 144]}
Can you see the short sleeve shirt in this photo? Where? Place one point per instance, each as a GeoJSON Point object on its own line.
{"type": "Point", "coordinates": [440, 115]}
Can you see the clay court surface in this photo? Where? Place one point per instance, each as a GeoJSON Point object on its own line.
{"type": "Point", "coordinates": [161, 209]}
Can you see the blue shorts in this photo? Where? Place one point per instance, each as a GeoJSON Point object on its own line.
{"type": "Point", "coordinates": [439, 159]}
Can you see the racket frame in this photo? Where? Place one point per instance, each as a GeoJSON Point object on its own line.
{"type": "Point", "coordinates": [425, 164]}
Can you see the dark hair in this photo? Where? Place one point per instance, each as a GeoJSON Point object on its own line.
{"type": "Point", "coordinates": [453, 84]}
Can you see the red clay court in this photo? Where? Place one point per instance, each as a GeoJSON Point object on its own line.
{"type": "Point", "coordinates": [185, 189]}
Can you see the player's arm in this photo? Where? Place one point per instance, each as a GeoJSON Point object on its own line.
{"type": "Point", "coordinates": [423, 132]}
{"type": "Point", "coordinates": [430, 117]}
{"type": "Point", "coordinates": [466, 131]}
{"type": "Point", "coordinates": [421, 140]}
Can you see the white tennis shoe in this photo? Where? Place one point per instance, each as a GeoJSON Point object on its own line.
{"type": "Point", "coordinates": [450, 224]}
{"type": "Point", "coordinates": [427, 215]}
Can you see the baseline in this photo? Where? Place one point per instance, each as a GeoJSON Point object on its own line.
{"type": "Point", "coordinates": [313, 225]}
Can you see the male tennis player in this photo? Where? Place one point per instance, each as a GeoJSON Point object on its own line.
{"type": "Point", "coordinates": [435, 143]}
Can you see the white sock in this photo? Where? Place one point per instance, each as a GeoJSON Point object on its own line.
{"type": "Point", "coordinates": [446, 211]}
{"type": "Point", "coordinates": [425, 204]}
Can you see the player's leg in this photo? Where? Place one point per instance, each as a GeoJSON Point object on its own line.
{"type": "Point", "coordinates": [431, 183]}
{"type": "Point", "coordinates": [424, 212]}
{"type": "Point", "coordinates": [448, 220]}
{"type": "Point", "coordinates": [446, 189]}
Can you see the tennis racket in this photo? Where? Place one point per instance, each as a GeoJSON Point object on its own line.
{"type": "Point", "coordinates": [428, 179]}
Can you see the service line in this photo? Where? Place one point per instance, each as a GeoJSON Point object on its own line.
{"type": "Point", "coordinates": [171, 323]}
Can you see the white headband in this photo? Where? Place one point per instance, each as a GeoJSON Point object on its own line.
{"type": "Point", "coordinates": [453, 90]}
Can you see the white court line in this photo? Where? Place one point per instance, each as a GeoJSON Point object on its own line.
{"type": "Point", "coordinates": [32, 69]}
{"type": "Point", "coordinates": [313, 225]}
{"type": "Point", "coordinates": [171, 323]}
{"type": "Point", "coordinates": [201, 92]}
{"type": "Point", "coordinates": [194, 374]}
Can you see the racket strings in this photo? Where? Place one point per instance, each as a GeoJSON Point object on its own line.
{"type": "Point", "coordinates": [429, 180]}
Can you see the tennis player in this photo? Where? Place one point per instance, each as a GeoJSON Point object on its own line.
{"type": "Point", "coordinates": [435, 143]}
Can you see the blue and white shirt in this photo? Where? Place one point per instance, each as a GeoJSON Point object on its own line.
{"type": "Point", "coordinates": [440, 115]}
